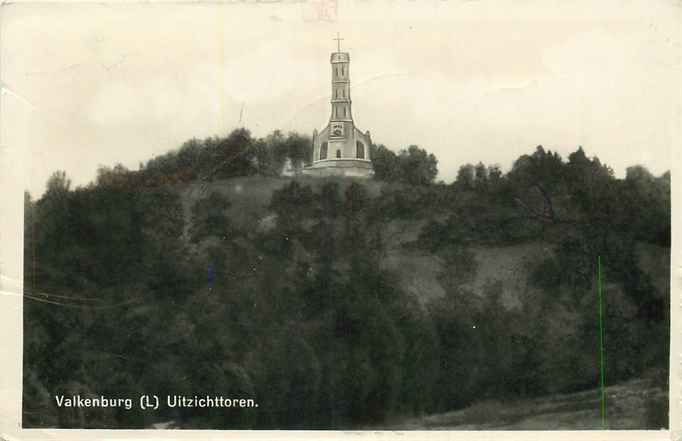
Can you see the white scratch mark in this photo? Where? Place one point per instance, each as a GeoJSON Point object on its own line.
{"type": "Point", "coordinates": [6, 90]}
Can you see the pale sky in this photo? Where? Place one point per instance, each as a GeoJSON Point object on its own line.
{"type": "Point", "coordinates": [467, 80]}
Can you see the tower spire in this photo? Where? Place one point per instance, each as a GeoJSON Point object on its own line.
{"type": "Point", "coordinates": [338, 42]}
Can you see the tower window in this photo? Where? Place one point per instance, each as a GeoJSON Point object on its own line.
{"type": "Point", "coordinates": [338, 153]}
{"type": "Point", "coordinates": [344, 112]}
{"type": "Point", "coordinates": [323, 150]}
{"type": "Point", "coordinates": [360, 150]}
{"type": "Point", "coordinates": [343, 71]}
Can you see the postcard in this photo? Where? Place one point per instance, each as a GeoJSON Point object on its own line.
{"type": "Point", "coordinates": [321, 218]}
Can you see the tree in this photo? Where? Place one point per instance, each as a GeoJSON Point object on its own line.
{"type": "Point", "coordinates": [299, 149]}
{"type": "Point", "coordinates": [235, 155]}
{"type": "Point", "coordinates": [536, 179]}
{"type": "Point", "coordinates": [58, 184]}
{"type": "Point", "coordinates": [118, 176]}
{"type": "Point", "coordinates": [481, 175]}
{"type": "Point", "coordinates": [417, 166]}
{"type": "Point", "coordinates": [385, 163]}
{"type": "Point", "coordinates": [494, 173]}
{"type": "Point", "coordinates": [355, 207]}
{"type": "Point", "coordinates": [413, 165]}
{"type": "Point", "coordinates": [292, 203]}
{"type": "Point", "coordinates": [638, 173]}
{"type": "Point", "coordinates": [209, 218]}
{"type": "Point", "coordinates": [330, 200]}
{"type": "Point", "coordinates": [465, 177]}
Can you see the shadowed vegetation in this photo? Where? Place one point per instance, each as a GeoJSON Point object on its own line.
{"type": "Point", "coordinates": [134, 287]}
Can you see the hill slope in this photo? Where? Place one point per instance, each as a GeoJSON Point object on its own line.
{"type": "Point", "coordinates": [418, 272]}
{"type": "Point", "coordinates": [635, 404]}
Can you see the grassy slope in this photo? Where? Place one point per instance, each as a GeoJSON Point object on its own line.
{"type": "Point", "coordinates": [628, 406]}
{"type": "Point", "coordinates": [418, 273]}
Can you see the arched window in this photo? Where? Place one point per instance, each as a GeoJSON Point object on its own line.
{"type": "Point", "coordinates": [338, 153]}
{"type": "Point", "coordinates": [343, 71]}
{"type": "Point", "coordinates": [323, 150]}
{"type": "Point", "coordinates": [360, 150]}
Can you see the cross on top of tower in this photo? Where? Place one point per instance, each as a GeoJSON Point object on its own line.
{"type": "Point", "coordinates": [338, 42]}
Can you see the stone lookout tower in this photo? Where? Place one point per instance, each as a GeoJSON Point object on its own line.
{"type": "Point", "coordinates": [340, 148]}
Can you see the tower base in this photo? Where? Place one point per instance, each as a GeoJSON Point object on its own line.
{"type": "Point", "coordinates": [356, 168]}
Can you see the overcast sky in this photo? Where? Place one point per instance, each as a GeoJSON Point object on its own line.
{"type": "Point", "coordinates": [469, 81]}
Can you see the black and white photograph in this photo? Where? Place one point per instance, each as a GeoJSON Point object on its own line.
{"type": "Point", "coordinates": [321, 215]}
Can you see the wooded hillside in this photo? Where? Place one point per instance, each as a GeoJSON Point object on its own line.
{"type": "Point", "coordinates": [204, 272]}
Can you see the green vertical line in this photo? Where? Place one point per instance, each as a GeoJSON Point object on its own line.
{"type": "Point", "coordinates": [601, 343]}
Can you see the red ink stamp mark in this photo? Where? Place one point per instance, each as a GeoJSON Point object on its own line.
{"type": "Point", "coordinates": [322, 10]}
